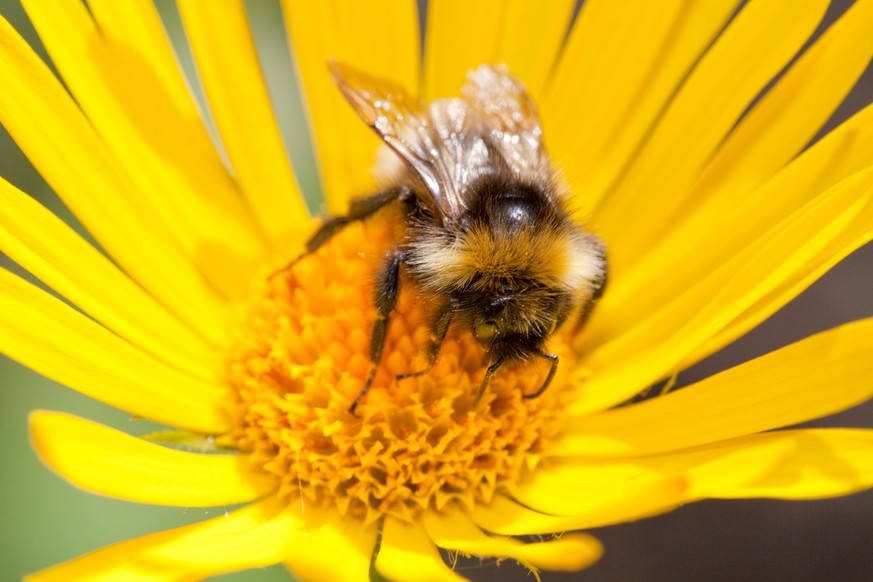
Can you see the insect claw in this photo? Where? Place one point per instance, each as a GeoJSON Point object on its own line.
{"type": "Point", "coordinates": [285, 268]}
{"type": "Point", "coordinates": [548, 379]}
{"type": "Point", "coordinates": [490, 372]}
{"type": "Point", "coordinates": [364, 390]}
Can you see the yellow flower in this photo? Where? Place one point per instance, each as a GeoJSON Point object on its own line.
{"type": "Point", "coordinates": [714, 216]}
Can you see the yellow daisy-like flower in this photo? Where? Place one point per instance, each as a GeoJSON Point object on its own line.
{"type": "Point", "coordinates": [714, 213]}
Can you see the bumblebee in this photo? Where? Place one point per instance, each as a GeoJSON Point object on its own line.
{"type": "Point", "coordinates": [487, 229]}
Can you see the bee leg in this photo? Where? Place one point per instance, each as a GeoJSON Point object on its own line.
{"type": "Point", "coordinates": [488, 373]}
{"type": "Point", "coordinates": [387, 288]}
{"type": "Point", "coordinates": [438, 329]}
{"type": "Point", "coordinates": [549, 378]}
{"type": "Point", "coordinates": [359, 209]}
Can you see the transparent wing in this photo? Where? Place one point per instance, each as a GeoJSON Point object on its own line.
{"type": "Point", "coordinates": [404, 123]}
{"type": "Point", "coordinates": [451, 143]}
{"type": "Point", "coordinates": [509, 117]}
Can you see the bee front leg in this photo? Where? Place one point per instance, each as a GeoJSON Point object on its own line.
{"type": "Point", "coordinates": [554, 368]}
{"type": "Point", "coordinates": [488, 373]}
{"type": "Point", "coordinates": [438, 329]}
{"type": "Point", "coordinates": [387, 290]}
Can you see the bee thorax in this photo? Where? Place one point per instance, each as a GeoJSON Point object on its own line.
{"type": "Point", "coordinates": [485, 260]}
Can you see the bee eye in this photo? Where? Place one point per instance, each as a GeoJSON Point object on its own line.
{"type": "Point", "coordinates": [485, 330]}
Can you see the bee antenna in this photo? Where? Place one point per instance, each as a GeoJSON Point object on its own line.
{"type": "Point", "coordinates": [552, 370]}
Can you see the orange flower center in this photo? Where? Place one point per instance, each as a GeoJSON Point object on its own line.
{"type": "Point", "coordinates": [302, 356]}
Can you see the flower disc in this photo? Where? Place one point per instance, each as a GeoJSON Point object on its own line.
{"type": "Point", "coordinates": [302, 357]}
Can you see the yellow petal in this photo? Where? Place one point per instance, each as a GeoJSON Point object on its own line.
{"type": "Point", "coordinates": [830, 226]}
{"type": "Point", "coordinates": [407, 553]}
{"type": "Point", "coordinates": [826, 463]}
{"type": "Point", "coordinates": [632, 487]}
{"type": "Point", "coordinates": [376, 36]}
{"type": "Point", "coordinates": [314, 557]}
{"type": "Point", "coordinates": [735, 462]}
{"type": "Point", "coordinates": [524, 36]}
{"type": "Point", "coordinates": [43, 244]}
{"type": "Point", "coordinates": [729, 76]}
{"type": "Point", "coordinates": [621, 65]}
{"type": "Point", "coordinates": [255, 536]}
{"type": "Point", "coordinates": [109, 462]}
{"type": "Point", "coordinates": [718, 230]}
{"type": "Point", "coordinates": [50, 337]}
{"type": "Point", "coordinates": [707, 233]}
{"type": "Point", "coordinates": [137, 24]}
{"type": "Point", "coordinates": [456, 532]}
{"type": "Point", "coordinates": [817, 376]}
{"type": "Point", "coordinates": [789, 115]}
{"type": "Point", "coordinates": [155, 133]}
{"type": "Point", "coordinates": [110, 570]}
{"type": "Point", "coordinates": [838, 155]}
{"type": "Point", "coordinates": [578, 483]}
{"type": "Point", "coordinates": [62, 144]}
{"type": "Point", "coordinates": [786, 290]}
{"type": "Point", "coordinates": [506, 517]}
{"type": "Point", "coordinates": [227, 63]}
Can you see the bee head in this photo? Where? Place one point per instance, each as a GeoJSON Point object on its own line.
{"type": "Point", "coordinates": [515, 321]}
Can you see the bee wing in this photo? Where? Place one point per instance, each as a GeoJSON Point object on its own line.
{"type": "Point", "coordinates": [509, 117]}
{"type": "Point", "coordinates": [405, 124]}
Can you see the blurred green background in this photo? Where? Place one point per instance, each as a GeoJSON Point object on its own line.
{"type": "Point", "coordinates": [45, 520]}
